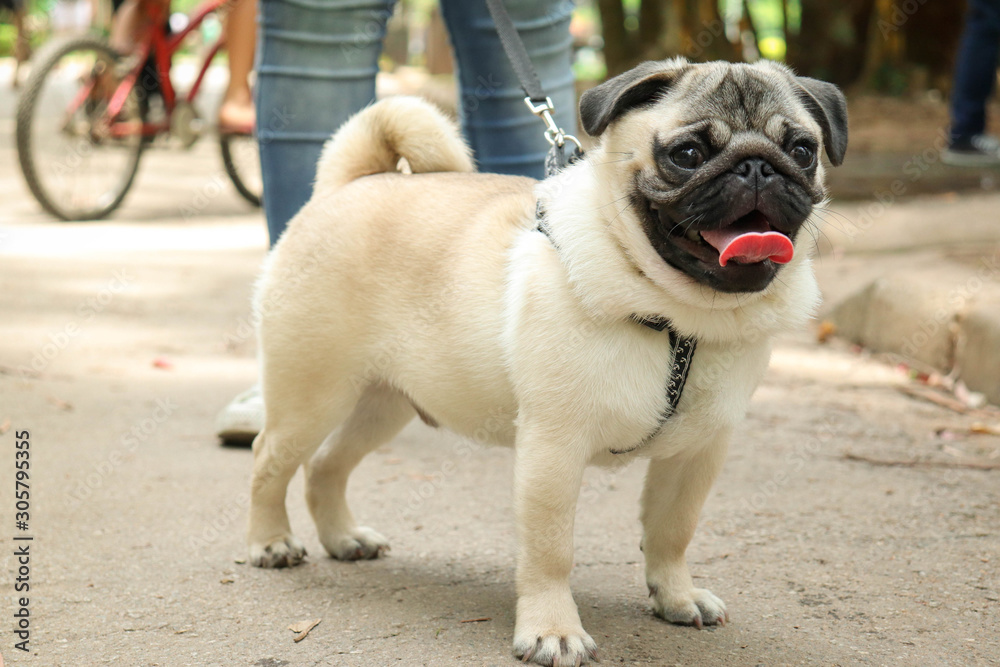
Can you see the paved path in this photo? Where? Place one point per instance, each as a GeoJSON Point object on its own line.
{"type": "Point", "coordinates": [138, 513]}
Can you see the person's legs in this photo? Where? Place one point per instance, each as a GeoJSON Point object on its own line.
{"type": "Point", "coordinates": [132, 21]}
{"type": "Point", "coordinates": [316, 66]}
{"type": "Point", "coordinates": [505, 137]}
{"type": "Point", "coordinates": [317, 62]}
{"type": "Point", "coordinates": [975, 71]}
{"type": "Point", "coordinates": [236, 111]}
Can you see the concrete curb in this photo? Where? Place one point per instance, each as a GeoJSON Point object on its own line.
{"type": "Point", "coordinates": [946, 317]}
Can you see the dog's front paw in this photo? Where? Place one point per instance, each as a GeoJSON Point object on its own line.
{"type": "Point", "coordinates": [699, 607]}
{"type": "Point", "coordinates": [565, 648]}
{"type": "Point", "coordinates": [285, 551]}
{"type": "Point", "coordinates": [359, 543]}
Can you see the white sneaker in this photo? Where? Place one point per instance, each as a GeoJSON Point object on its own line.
{"type": "Point", "coordinates": [982, 150]}
{"type": "Point", "coordinates": [241, 420]}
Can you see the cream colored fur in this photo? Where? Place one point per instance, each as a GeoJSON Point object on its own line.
{"type": "Point", "coordinates": [434, 290]}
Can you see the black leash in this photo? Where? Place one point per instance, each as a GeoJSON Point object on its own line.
{"type": "Point", "coordinates": [537, 101]}
{"type": "Point", "coordinates": [681, 347]}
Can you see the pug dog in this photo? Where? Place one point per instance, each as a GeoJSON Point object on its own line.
{"type": "Point", "coordinates": [553, 317]}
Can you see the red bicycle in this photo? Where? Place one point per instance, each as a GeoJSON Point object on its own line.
{"type": "Point", "coordinates": [85, 118]}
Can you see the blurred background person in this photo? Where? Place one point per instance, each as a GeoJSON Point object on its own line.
{"type": "Point", "coordinates": [133, 18]}
{"type": "Point", "coordinates": [975, 78]}
{"type": "Point", "coordinates": [236, 113]}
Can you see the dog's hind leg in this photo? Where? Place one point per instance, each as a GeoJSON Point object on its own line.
{"type": "Point", "coordinates": [302, 409]}
{"type": "Point", "coordinates": [379, 415]}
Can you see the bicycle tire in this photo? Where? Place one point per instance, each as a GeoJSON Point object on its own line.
{"type": "Point", "coordinates": [45, 61]}
{"type": "Point", "coordinates": [233, 171]}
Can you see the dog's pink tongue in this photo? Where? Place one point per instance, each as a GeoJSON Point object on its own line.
{"type": "Point", "coordinates": [750, 247]}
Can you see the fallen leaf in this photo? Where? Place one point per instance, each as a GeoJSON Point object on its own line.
{"type": "Point", "coordinates": [918, 463]}
{"type": "Point", "coordinates": [977, 427]}
{"type": "Point", "coordinates": [826, 329]}
{"type": "Point", "coordinates": [23, 372]}
{"type": "Point", "coordinates": [953, 451]}
{"type": "Point", "coordinates": [303, 628]}
{"type": "Point", "coordinates": [476, 620]}
{"type": "Point", "coordinates": [972, 399]}
{"type": "Point", "coordinates": [934, 380]}
{"type": "Point", "coordinates": [240, 561]}
{"type": "Point", "coordinates": [227, 580]}
{"type": "Point", "coordinates": [934, 397]}
{"type": "Point", "coordinates": [59, 403]}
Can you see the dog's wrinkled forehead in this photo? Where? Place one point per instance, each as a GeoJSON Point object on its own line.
{"type": "Point", "coordinates": [722, 102]}
{"type": "Point", "coordinates": [736, 99]}
{"type": "Point", "coordinates": [764, 97]}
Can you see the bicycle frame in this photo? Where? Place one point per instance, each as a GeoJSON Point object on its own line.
{"type": "Point", "coordinates": [162, 47]}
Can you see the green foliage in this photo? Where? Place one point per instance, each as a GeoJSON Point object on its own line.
{"type": "Point", "coordinates": [890, 80]}
{"type": "Point", "coordinates": [768, 18]}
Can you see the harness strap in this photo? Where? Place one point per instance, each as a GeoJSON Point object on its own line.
{"type": "Point", "coordinates": [681, 352]}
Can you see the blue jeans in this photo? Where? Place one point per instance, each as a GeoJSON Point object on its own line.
{"type": "Point", "coordinates": [317, 61]}
{"type": "Point", "coordinates": [975, 70]}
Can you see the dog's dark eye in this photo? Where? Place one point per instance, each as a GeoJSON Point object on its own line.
{"type": "Point", "coordinates": [803, 155]}
{"type": "Point", "coordinates": [687, 157]}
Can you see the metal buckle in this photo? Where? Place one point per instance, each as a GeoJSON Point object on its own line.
{"type": "Point", "coordinates": [553, 133]}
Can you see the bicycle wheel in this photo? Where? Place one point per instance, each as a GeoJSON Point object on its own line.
{"type": "Point", "coordinates": [242, 162]}
{"type": "Point", "coordinates": [77, 154]}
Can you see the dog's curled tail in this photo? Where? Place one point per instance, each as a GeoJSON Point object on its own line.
{"type": "Point", "coordinates": [373, 140]}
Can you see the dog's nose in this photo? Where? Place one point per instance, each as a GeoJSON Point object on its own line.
{"type": "Point", "coordinates": [754, 168]}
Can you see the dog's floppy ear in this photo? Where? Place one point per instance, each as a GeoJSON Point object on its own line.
{"type": "Point", "coordinates": [827, 105]}
{"type": "Point", "coordinates": [601, 105]}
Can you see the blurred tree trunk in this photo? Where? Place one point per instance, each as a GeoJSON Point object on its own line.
{"type": "Point", "coordinates": [891, 46]}
{"type": "Point", "coordinates": [705, 34]}
{"type": "Point", "coordinates": [691, 28]}
{"type": "Point", "coordinates": [833, 39]}
{"type": "Point", "coordinates": [931, 37]}
{"type": "Point", "coordinates": [884, 51]}
{"type": "Point", "coordinates": [618, 48]}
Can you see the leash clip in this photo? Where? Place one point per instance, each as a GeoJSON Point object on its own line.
{"type": "Point", "coordinates": [553, 133]}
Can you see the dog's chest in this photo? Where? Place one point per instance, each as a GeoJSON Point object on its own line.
{"type": "Point", "coordinates": [631, 396]}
